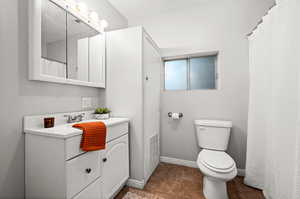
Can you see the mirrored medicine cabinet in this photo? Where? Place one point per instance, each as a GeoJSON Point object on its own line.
{"type": "Point", "coordinates": [63, 46]}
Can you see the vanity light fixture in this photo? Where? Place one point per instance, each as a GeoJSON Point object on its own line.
{"type": "Point", "coordinates": [82, 7]}
{"type": "Point", "coordinates": [71, 4]}
{"type": "Point", "coordinates": [104, 23]}
{"type": "Point", "coordinates": [94, 16]}
{"type": "Point", "coordinates": [82, 10]}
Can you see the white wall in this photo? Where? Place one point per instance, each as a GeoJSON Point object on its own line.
{"type": "Point", "coordinates": [214, 26]}
{"type": "Point", "coordinates": [19, 97]}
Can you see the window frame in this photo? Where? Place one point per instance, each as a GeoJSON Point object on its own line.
{"type": "Point", "coordinates": [188, 57]}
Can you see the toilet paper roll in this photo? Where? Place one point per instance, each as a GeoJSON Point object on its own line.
{"type": "Point", "coordinates": [175, 116]}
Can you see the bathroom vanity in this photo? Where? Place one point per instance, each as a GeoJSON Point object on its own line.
{"type": "Point", "coordinates": [56, 167]}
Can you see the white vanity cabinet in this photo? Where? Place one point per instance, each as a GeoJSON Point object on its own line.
{"type": "Point", "coordinates": [56, 167]}
{"type": "Point", "coordinates": [93, 191]}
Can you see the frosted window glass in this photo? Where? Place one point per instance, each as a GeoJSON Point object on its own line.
{"type": "Point", "coordinates": [176, 75]}
{"type": "Point", "coordinates": [202, 73]}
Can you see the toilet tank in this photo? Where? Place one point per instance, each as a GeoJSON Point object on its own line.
{"type": "Point", "coordinates": [213, 134]}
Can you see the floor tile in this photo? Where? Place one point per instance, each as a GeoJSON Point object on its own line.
{"type": "Point", "coordinates": [178, 182]}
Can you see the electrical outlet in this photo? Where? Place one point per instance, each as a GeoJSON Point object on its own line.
{"type": "Point", "coordinates": [86, 102]}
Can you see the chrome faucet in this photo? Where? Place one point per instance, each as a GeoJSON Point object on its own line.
{"type": "Point", "coordinates": [74, 118]}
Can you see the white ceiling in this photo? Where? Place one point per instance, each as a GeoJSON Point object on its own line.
{"type": "Point", "coordinates": [133, 9]}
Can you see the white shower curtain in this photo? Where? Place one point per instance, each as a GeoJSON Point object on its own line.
{"type": "Point", "coordinates": [273, 146]}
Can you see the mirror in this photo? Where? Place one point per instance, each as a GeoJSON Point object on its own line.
{"type": "Point", "coordinates": [78, 37]}
{"type": "Point", "coordinates": [70, 48]}
{"type": "Point", "coordinates": [54, 40]}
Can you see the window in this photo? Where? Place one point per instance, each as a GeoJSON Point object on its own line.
{"type": "Point", "coordinates": [191, 73]}
{"type": "Point", "coordinates": [176, 74]}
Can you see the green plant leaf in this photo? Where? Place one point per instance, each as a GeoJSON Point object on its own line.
{"type": "Point", "coordinates": [102, 110]}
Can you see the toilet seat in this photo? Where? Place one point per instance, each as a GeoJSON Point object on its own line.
{"type": "Point", "coordinates": [217, 161]}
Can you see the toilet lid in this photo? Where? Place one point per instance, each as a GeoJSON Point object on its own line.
{"type": "Point", "coordinates": [217, 160]}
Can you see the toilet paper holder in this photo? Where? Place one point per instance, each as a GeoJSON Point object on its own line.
{"type": "Point", "coordinates": [180, 114]}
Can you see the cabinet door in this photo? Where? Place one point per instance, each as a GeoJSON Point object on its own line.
{"type": "Point", "coordinates": [93, 191]}
{"type": "Point", "coordinates": [82, 61]}
{"type": "Point", "coordinates": [116, 166]}
{"type": "Point", "coordinates": [97, 59]}
{"type": "Point", "coordinates": [152, 66]}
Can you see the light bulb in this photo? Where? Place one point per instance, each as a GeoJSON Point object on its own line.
{"type": "Point", "coordinates": [82, 7]}
{"type": "Point", "coordinates": [70, 3]}
{"type": "Point", "coordinates": [94, 16]}
{"type": "Point", "coordinates": [104, 23]}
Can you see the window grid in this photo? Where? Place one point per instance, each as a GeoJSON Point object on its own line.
{"type": "Point", "coordinates": [188, 78]}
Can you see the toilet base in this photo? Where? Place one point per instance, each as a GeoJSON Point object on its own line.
{"type": "Point", "coordinates": [214, 189]}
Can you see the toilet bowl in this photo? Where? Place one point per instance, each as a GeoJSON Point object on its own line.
{"type": "Point", "coordinates": [215, 164]}
{"type": "Point", "coordinates": [217, 168]}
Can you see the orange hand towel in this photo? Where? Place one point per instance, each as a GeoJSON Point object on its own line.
{"type": "Point", "coordinates": [93, 137]}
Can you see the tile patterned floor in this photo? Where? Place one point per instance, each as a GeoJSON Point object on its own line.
{"type": "Point", "coordinates": [179, 182]}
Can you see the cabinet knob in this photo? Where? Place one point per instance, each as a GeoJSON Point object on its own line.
{"type": "Point", "coordinates": [104, 159]}
{"type": "Point", "coordinates": [88, 170]}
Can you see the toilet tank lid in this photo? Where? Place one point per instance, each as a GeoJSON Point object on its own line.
{"type": "Point", "coordinates": [214, 123]}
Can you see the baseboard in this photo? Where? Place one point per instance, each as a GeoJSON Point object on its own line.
{"type": "Point", "coordinates": [241, 172]}
{"type": "Point", "coordinates": [176, 161]}
{"type": "Point", "coordinates": [139, 184]}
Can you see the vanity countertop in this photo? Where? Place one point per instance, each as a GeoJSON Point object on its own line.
{"type": "Point", "coordinates": [66, 130]}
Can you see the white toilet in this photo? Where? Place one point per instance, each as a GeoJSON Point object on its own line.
{"type": "Point", "coordinates": [215, 164]}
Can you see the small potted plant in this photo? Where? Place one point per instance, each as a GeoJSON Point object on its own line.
{"type": "Point", "coordinates": [102, 113]}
